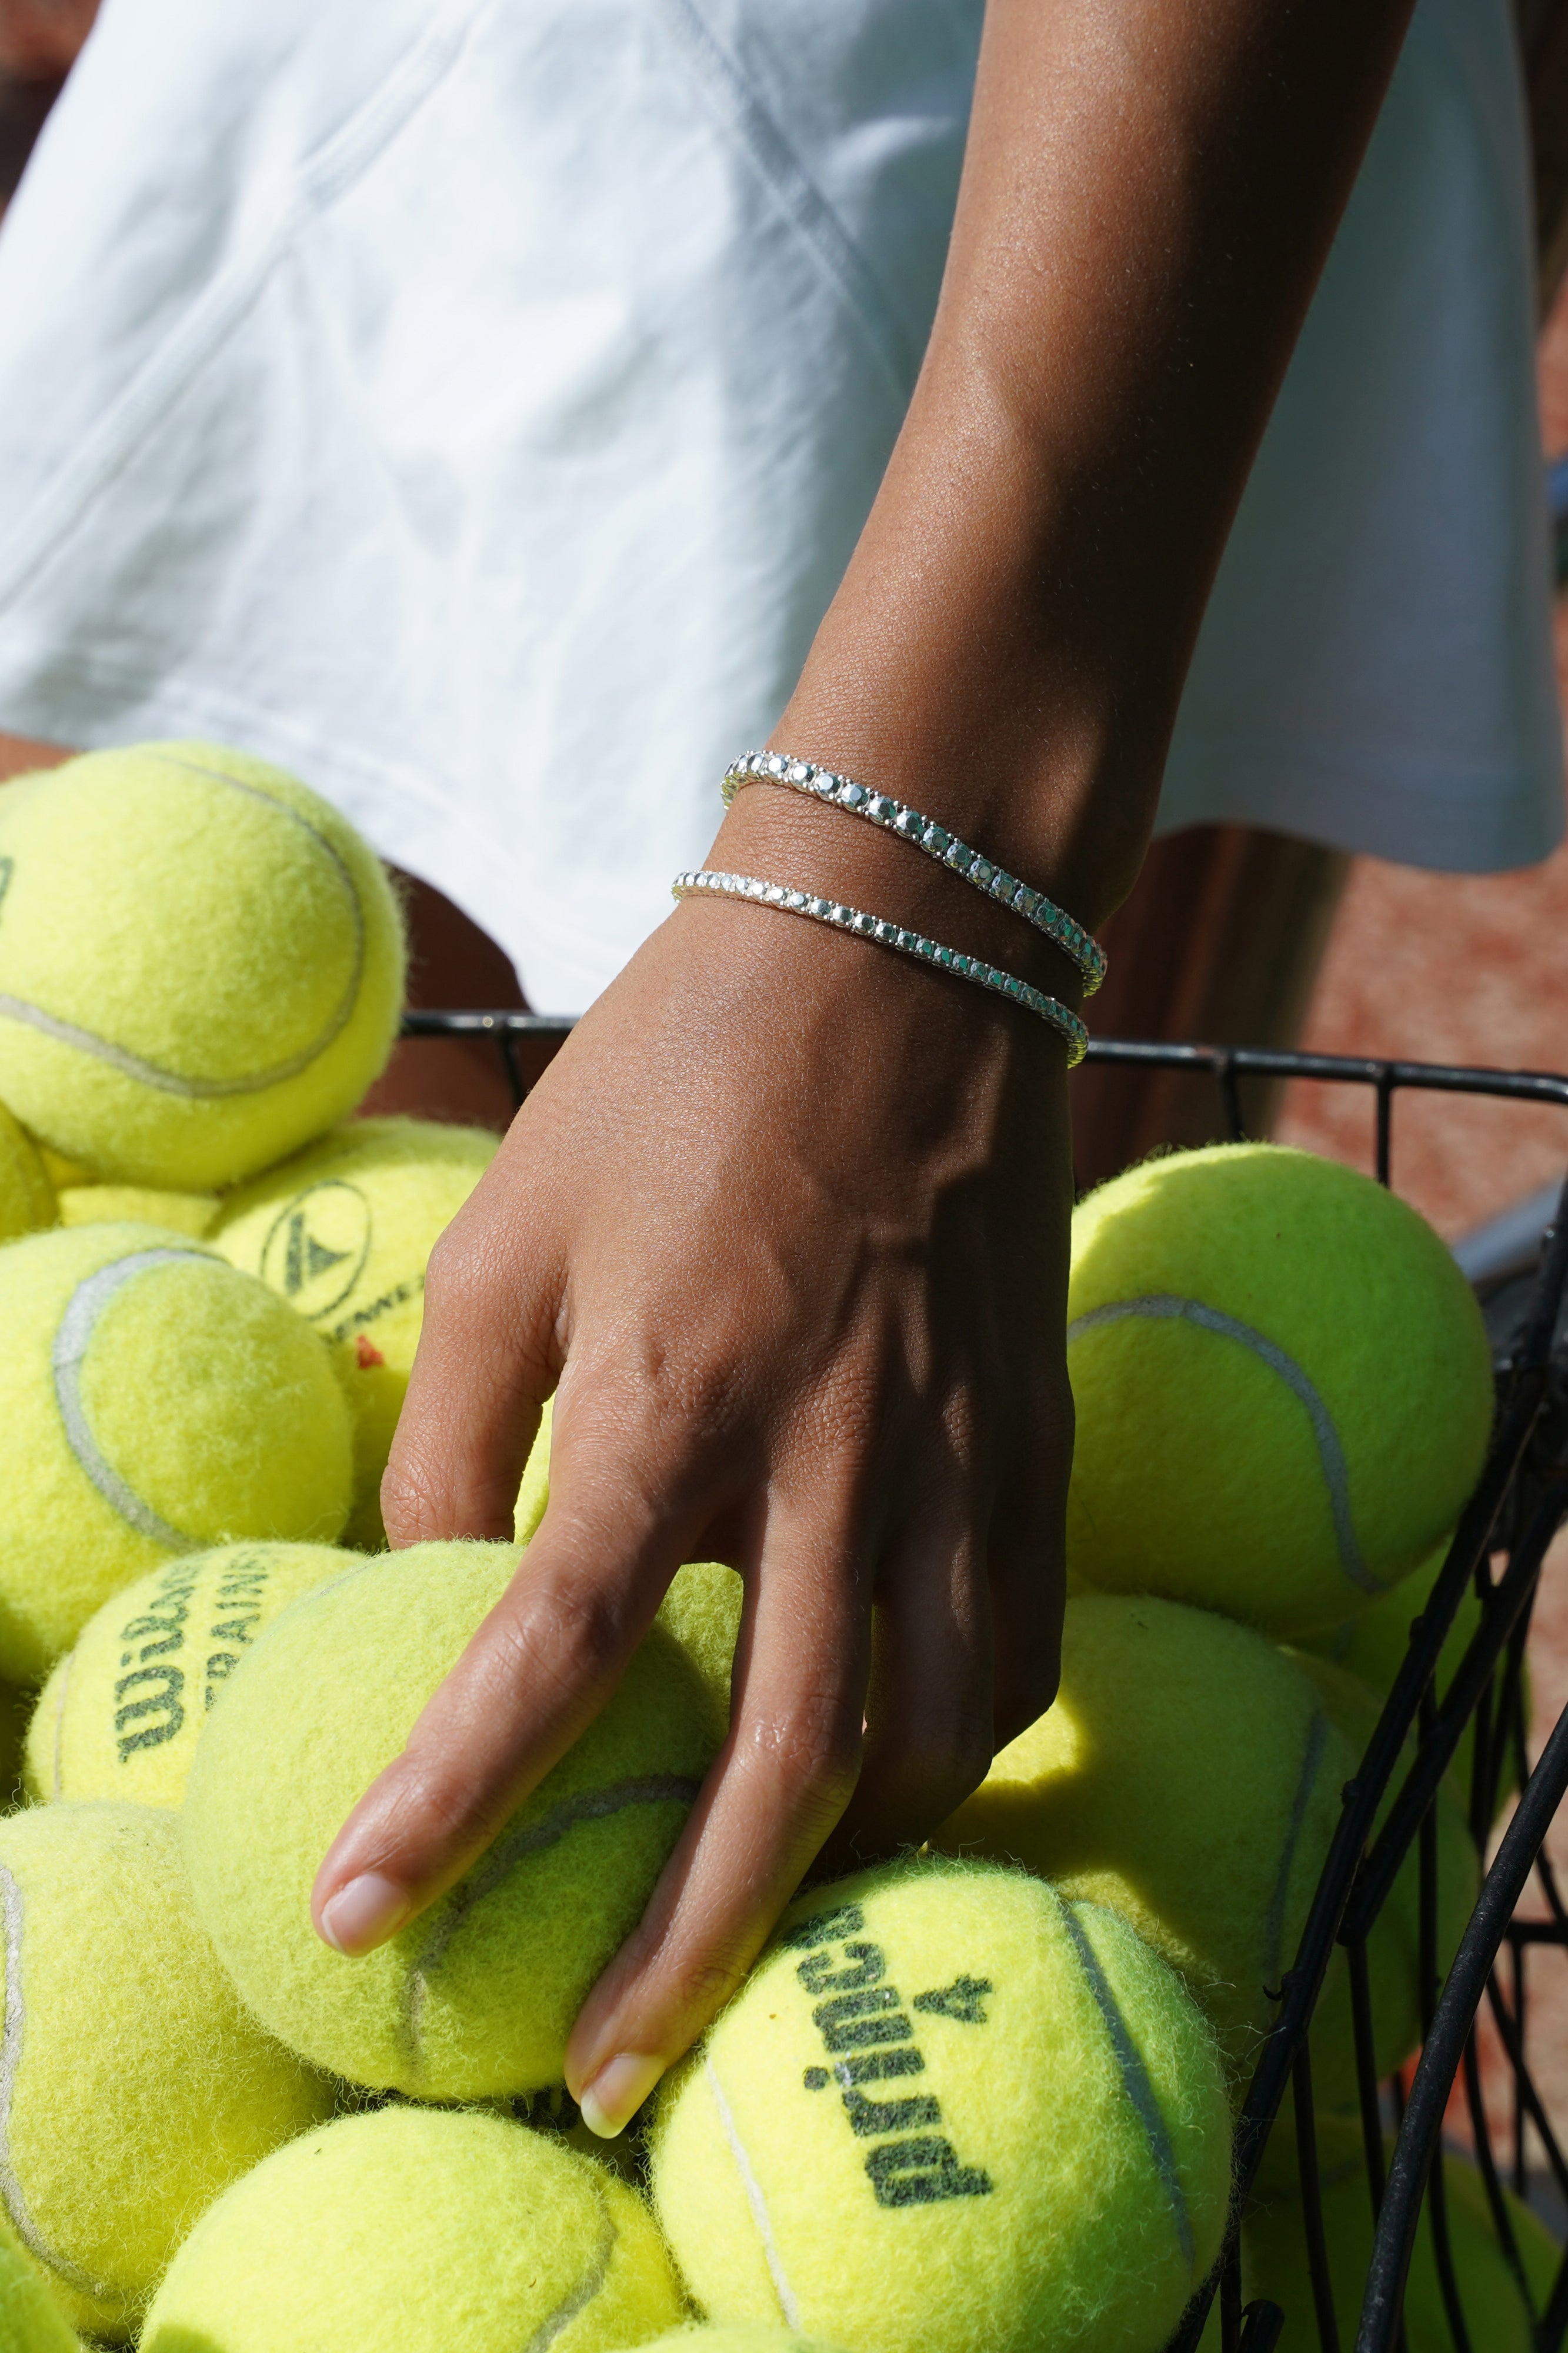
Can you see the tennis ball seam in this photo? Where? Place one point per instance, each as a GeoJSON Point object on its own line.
{"type": "Point", "coordinates": [1306, 1782]}
{"type": "Point", "coordinates": [74, 1336]}
{"type": "Point", "coordinates": [1169, 1306]}
{"type": "Point", "coordinates": [10, 2060]}
{"type": "Point", "coordinates": [173, 1082]}
{"type": "Point", "coordinates": [1135, 2081]}
{"type": "Point", "coordinates": [530, 1838]}
{"type": "Point", "coordinates": [587, 2287]}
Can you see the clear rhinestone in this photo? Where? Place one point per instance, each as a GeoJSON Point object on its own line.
{"type": "Point", "coordinates": [1021, 894]}
{"type": "Point", "coordinates": [758, 763]}
{"type": "Point", "coordinates": [960, 857]}
{"type": "Point", "coordinates": [795, 900]}
{"type": "Point", "coordinates": [775, 894]}
{"type": "Point", "coordinates": [884, 931]}
{"type": "Point", "coordinates": [800, 772]}
{"type": "Point", "coordinates": [877, 805]}
{"type": "Point", "coordinates": [864, 922]}
{"type": "Point", "coordinates": [851, 793]}
{"type": "Point", "coordinates": [981, 871]}
{"type": "Point", "coordinates": [821, 907]}
{"type": "Point", "coordinates": [825, 783]}
{"type": "Point", "coordinates": [908, 822]}
{"type": "Point", "coordinates": [934, 840]}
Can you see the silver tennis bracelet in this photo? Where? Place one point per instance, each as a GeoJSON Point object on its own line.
{"type": "Point", "coordinates": [891, 935]}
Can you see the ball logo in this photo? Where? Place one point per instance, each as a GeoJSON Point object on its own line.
{"type": "Point", "coordinates": [317, 1246]}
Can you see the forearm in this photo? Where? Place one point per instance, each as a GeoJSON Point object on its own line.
{"type": "Point", "coordinates": [1149, 194]}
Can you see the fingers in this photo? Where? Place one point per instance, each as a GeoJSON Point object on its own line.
{"type": "Point", "coordinates": [781, 1781]}
{"type": "Point", "coordinates": [486, 1361]}
{"type": "Point", "coordinates": [1026, 1557]}
{"type": "Point", "coordinates": [535, 1675]}
{"type": "Point", "coordinates": [929, 1706]}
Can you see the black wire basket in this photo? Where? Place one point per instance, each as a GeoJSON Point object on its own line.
{"type": "Point", "coordinates": [1388, 1808]}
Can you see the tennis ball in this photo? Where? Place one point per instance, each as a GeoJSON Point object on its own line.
{"type": "Point", "coordinates": [1274, 2255]}
{"type": "Point", "coordinates": [200, 962]}
{"type": "Point", "coordinates": [342, 1233]}
{"type": "Point", "coordinates": [949, 2108]}
{"type": "Point", "coordinates": [105, 1204]}
{"type": "Point", "coordinates": [1282, 1386]}
{"type": "Point", "coordinates": [1372, 1645]}
{"type": "Point", "coordinates": [26, 1196]}
{"type": "Point", "coordinates": [702, 1609]}
{"type": "Point", "coordinates": [1188, 1777]}
{"type": "Point", "coordinates": [419, 2231]}
{"type": "Point", "coordinates": [121, 1715]}
{"type": "Point", "coordinates": [476, 1996]}
{"type": "Point", "coordinates": [30, 2319]}
{"type": "Point", "coordinates": [1393, 1942]}
{"type": "Point", "coordinates": [153, 1400]}
{"type": "Point", "coordinates": [133, 2088]}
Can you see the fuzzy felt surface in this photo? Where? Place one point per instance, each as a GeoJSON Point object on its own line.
{"type": "Point", "coordinates": [1199, 1470]}
{"type": "Point", "coordinates": [949, 2113]}
{"type": "Point", "coordinates": [419, 2232]}
{"type": "Point", "coordinates": [742, 2337]}
{"type": "Point", "coordinates": [26, 1197]}
{"type": "Point", "coordinates": [702, 1607]}
{"type": "Point", "coordinates": [1393, 1946]}
{"type": "Point", "coordinates": [121, 1715]}
{"type": "Point", "coordinates": [476, 1996]}
{"type": "Point", "coordinates": [203, 1401]}
{"type": "Point", "coordinates": [107, 1205]}
{"type": "Point", "coordinates": [133, 2088]}
{"type": "Point", "coordinates": [343, 1233]}
{"type": "Point", "coordinates": [30, 2319]}
{"type": "Point", "coordinates": [1188, 1776]}
{"type": "Point", "coordinates": [186, 911]}
{"type": "Point", "coordinates": [1274, 2260]}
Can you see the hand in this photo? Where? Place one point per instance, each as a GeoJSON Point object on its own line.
{"type": "Point", "coordinates": [786, 1220]}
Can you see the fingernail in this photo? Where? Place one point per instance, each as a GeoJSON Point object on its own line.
{"type": "Point", "coordinates": [618, 2090]}
{"type": "Point", "coordinates": [364, 1914]}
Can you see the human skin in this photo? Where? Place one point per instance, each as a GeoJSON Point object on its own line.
{"type": "Point", "coordinates": [785, 1225]}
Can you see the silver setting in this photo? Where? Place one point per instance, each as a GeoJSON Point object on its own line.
{"type": "Point", "coordinates": [891, 936]}
{"type": "Point", "coordinates": [897, 817]}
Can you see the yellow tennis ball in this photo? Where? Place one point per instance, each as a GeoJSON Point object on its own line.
{"type": "Point", "coordinates": [26, 1196]}
{"type": "Point", "coordinates": [1187, 1776]}
{"type": "Point", "coordinates": [1393, 1942]}
{"type": "Point", "coordinates": [30, 2319]}
{"type": "Point", "coordinates": [476, 1996]}
{"type": "Point", "coordinates": [343, 1233]}
{"type": "Point", "coordinates": [1282, 1386]}
{"type": "Point", "coordinates": [702, 1607]}
{"type": "Point", "coordinates": [153, 1401]}
{"type": "Point", "coordinates": [121, 1715]}
{"type": "Point", "coordinates": [200, 962]}
{"type": "Point", "coordinates": [950, 2109]}
{"type": "Point", "coordinates": [1274, 2255]}
{"type": "Point", "coordinates": [108, 1205]}
{"type": "Point", "coordinates": [419, 2231]}
{"type": "Point", "coordinates": [133, 2088]}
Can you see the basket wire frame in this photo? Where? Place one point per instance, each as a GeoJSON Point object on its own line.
{"type": "Point", "coordinates": [1496, 1551]}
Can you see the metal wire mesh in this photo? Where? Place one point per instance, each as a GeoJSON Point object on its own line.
{"type": "Point", "coordinates": [1388, 1807]}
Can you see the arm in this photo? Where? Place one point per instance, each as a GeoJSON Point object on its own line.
{"type": "Point", "coordinates": [787, 1219]}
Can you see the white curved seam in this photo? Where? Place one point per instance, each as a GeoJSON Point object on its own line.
{"type": "Point", "coordinates": [1306, 1782]}
{"type": "Point", "coordinates": [1166, 1306]}
{"type": "Point", "coordinates": [1136, 2084]}
{"type": "Point", "coordinates": [530, 1838]}
{"type": "Point", "coordinates": [755, 2201]}
{"type": "Point", "coordinates": [73, 1338]}
{"type": "Point", "coordinates": [174, 1082]}
{"type": "Point", "coordinates": [11, 2036]}
{"type": "Point", "coordinates": [587, 2287]}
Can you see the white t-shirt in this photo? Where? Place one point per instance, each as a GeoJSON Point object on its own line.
{"type": "Point", "coordinates": [474, 406]}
